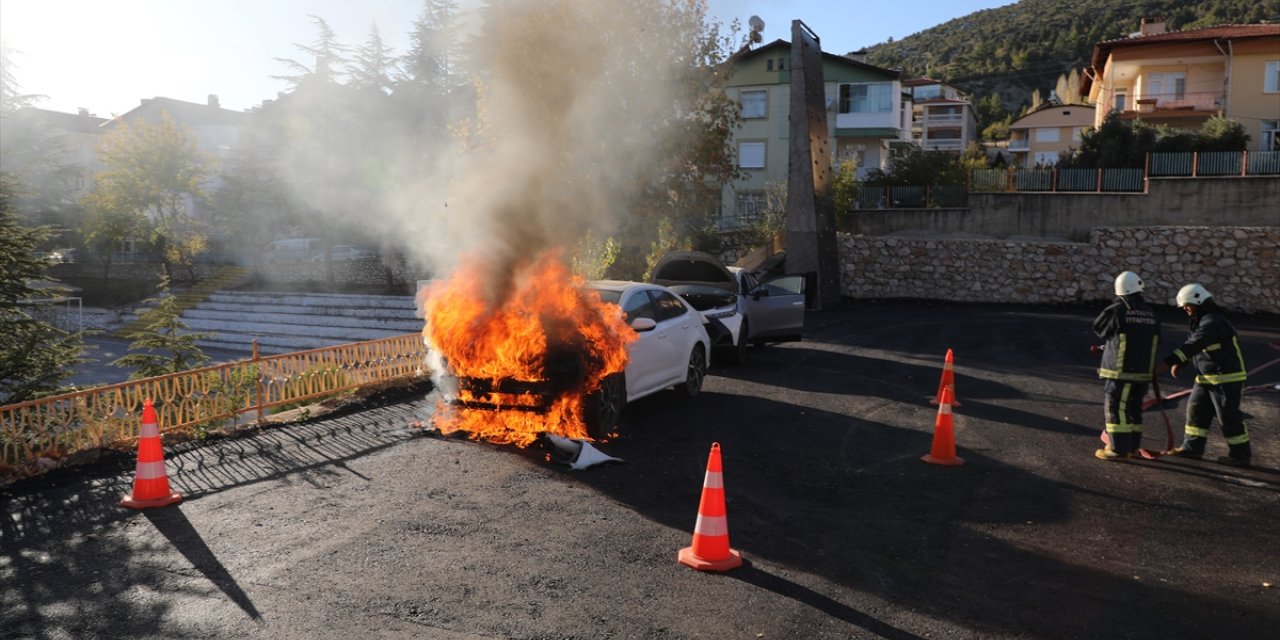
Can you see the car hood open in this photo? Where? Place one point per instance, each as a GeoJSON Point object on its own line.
{"type": "Point", "coordinates": [693, 267]}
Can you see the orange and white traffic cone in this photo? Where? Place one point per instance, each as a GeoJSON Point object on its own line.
{"type": "Point", "coordinates": [948, 380]}
{"type": "Point", "coordinates": [944, 439]}
{"type": "Point", "coordinates": [151, 480]}
{"type": "Point", "coordinates": [710, 550]}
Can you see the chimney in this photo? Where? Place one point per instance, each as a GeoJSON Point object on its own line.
{"type": "Point", "coordinates": [1151, 26]}
{"type": "Point", "coordinates": [213, 100]}
{"type": "Point", "coordinates": [858, 56]}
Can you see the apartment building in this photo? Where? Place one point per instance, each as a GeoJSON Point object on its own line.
{"type": "Point", "coordinates": [53, 150]}
{"type": "Point", "coordinates": [866, 112]}
{"type": "Point", "coordinates": [942, 117]}
{"type": "Point", "coordinates": [1182, 78]}
{"type": "Point", "coordinates": [1037, 138]}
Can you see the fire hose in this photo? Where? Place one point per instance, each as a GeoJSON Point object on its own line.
{"type": "Point", "coordinates": [1258, 387]}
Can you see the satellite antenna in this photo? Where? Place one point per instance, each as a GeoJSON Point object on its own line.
{"type": "Point", "coordinates": [757, 26]}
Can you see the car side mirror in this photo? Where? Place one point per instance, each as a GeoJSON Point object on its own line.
{"type": "Point", "coordinates": [644, 324]}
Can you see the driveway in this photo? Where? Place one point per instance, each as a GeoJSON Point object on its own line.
{"type": "Point", "coordinates": [361, 524]}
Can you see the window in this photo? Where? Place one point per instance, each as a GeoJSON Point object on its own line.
{"type": "Point", "coordinates": [667, 305]}
{"type": "Point", "coordinates": [1172, 85]}
{"type": "Point", "coordinates": [1121, 101]}
{"type": "Point", "coordinates": [1271, 84]}
{"type": "Point", "coordinates": [750, 204]}
{"type": "Point", "coordinates": [1047, 134]}
{"type": "Point", "coordinates": [639, 306]}
{"type": "Point", "coordinates": [782, 64]}
{"type": "Point", "coordinates": [751, 155]}
{"type": "Point", "coordinates": [1076, 133]}
{"type": "Point", "coordinates": [755, 104]}
{"type": "Point", "coordinates": [869, 97]}
{"type": "Point", "coordinates": [1271, 135]}
{"type": "Point", "coordinates": [1046, 158]}
{"type": "Point", "coordinates": [927, 92]}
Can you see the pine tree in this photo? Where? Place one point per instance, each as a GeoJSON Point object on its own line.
{"type": "Point", "coordinates": [35, 356]}
{"type": "Point", "coordinates": [163, 344]}
{"type": "Point", "coordinates": [373, 66]}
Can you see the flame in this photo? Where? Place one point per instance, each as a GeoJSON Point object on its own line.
{"type": "Point", "coordinates": [547, 314]}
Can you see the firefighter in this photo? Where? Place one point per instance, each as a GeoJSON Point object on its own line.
{"type": "Point", "coordinates": [1214, 348]}
{"type": "Point", "coordinates": [1132, 334]}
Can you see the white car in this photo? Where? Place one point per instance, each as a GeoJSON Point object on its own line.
{"type": "Point", "coordinates": [741, 309]}
{"type": "Point", "coordinates": [672, 350]}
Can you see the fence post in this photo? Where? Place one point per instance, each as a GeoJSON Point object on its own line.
{"type": "Point", "coordinates": [1009, 180]}
{"type": "Point", "coordinates": [1195, 163]}
{"type": "Point", "coordinates": [1099, 179]}
{"type": "Point", "coordinates": [1244, 163]}
{"type": "Point", "coordinates": [257, 366]}
{"type": "Point", "coordinates": [1146, 174]}
{"type": "Point", "coordinates": [1054, 185]}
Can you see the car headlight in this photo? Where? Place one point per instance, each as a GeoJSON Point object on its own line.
{"type": "Point", "coordinates": [722, 313]}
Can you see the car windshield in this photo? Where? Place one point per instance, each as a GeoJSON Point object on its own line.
{"type": "Point", "coordinates": [703, 297]}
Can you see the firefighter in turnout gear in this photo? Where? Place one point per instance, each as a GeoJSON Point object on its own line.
{"type": "Point", "coordinates": [1132, 334]}
{"type": "Point", "coordinates": [1214, 348]}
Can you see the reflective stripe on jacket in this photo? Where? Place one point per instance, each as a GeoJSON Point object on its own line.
{"type": "Point", "coordinates": [1132, 333]}
{"type": "Point", "coordinates": [1213, 347]}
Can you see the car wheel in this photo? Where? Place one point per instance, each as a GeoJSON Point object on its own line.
{"type": "Point", "coordinates": [738, 352]}
{"type": "Point", "coordinates": [602, 409]}
{"type": "Point", "coordinates": [696, 372]}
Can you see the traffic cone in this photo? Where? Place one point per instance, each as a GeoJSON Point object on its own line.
{"type": "Point", "coordinates": [151, 480]}
{"type": "Point", "coordinates": [948, 380]}
{"type": "Point", "coordinates": [944, 438]}
{"type": "Point", "coordinates": [710, 550]}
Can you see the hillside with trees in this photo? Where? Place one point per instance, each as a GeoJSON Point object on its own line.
{"type": "Point", "coordinates": [1015, 50]}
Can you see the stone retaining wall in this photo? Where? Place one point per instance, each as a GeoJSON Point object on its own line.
{"type": "Point", "coordinates": [1239, 265]}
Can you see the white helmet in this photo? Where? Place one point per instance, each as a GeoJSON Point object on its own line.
{"type": "Point", "coordinates": [1193, 294]}
{"type": "Point", "coordinates": [1128, 283]}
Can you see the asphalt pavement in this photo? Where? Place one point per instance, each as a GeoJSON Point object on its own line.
{"type": "Point", "coordinates": [362, 523]}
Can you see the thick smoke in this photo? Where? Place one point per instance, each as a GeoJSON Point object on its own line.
{"type": "Point", "coordinates": [570, 94]}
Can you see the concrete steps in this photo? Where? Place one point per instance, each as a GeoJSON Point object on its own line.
{"type": "Point", "coordinates": [188, 298]}
{"type": "Point", "coordinates": [283, 322]}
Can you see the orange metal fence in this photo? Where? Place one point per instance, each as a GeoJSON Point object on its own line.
{"type": "Point", "coordinates": [64, 424]}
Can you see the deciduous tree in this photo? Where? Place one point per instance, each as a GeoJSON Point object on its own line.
{"type": "Point", "coordinates": [155, 172]}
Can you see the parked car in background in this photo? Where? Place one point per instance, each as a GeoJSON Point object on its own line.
{"type": "Point", "coordinates": [348, 253]}
{"type": "Point", "coordinates": [67, 255]}
{"type": "Point", "coordinates": [293, 250]}
{"type": "Point", "coordinates": [741, 308]}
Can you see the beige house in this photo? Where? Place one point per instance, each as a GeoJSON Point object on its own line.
{"type": "Point", "coordinates": [1183, 78]}
{"type": "Point", "coordinates": [1036, 139]}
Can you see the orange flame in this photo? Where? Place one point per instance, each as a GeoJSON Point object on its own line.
{"type": "Point", "coordinates": [547, 313]}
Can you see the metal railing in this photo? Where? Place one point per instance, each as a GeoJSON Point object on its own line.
{"type": "Point", "coordinates": [1214, 163]}
{"type": "Point", "coordinates": [911, 197]}
{"type": "Point", "coordinates": [1058, 180]}
{"type": "Point", "coordinates": [1192, 101]}
{"type": "Point", "coordinates": [107, 416]}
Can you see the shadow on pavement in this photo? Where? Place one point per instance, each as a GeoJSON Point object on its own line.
{"type": "Point", "coordinates": [177, 529]}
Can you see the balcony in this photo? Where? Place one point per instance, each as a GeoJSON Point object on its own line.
{"type": "Point", "coordinates": [1174, 105]}
{"type": "Point", "coordinates": [943, 119]}
{"type": "Point", "coordinates": [1021, 144]}
{"type": "Point", "coordinates": [943, 144]}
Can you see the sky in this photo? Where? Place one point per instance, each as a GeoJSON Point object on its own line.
{"type": "Point", "coordinates": [107, 56]}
